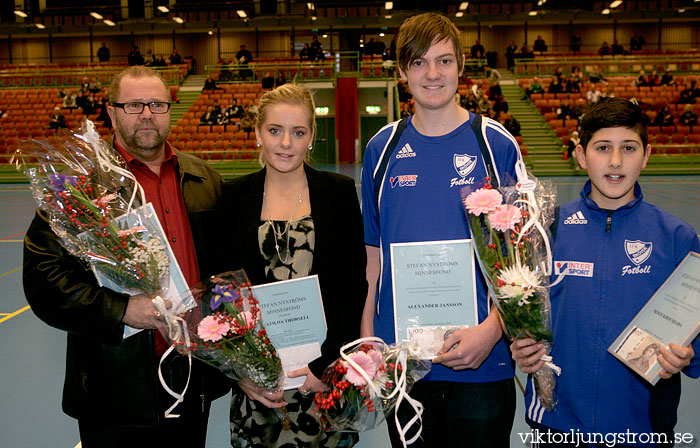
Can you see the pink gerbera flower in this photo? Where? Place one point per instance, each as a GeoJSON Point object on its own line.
{"type": "Point", "coordinates": [376, 357]}
{"type": "Point", "coordinates": [212, 328]}
{"type": "Point", "coordinates": [363, 360]}
{"type": "Point", "coordinates": [505, 217]}
{"type": "Point", "coordinates": [483, 201]}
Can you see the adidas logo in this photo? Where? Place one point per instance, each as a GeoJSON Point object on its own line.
{"type": "Point", "coordinates": [576, 218]}
{"type": "Point", "coordinates": [406, 151]}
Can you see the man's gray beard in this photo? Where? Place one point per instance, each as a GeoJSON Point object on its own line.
{"type": "Point", "coordinates": [133, 143]}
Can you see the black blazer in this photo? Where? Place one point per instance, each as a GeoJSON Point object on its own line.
{"type": "Point", "coordinates": [339, 255]}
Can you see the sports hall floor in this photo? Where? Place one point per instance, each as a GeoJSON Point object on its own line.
{"type": "Point", "coordinates": [32, 354]}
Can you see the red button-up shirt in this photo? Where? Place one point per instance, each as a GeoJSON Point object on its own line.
{"type": "Point", "coordinates": [163, 191]}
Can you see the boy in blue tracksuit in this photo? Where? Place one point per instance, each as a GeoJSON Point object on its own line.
{"type": "Point", "coordinates": [615, 251]}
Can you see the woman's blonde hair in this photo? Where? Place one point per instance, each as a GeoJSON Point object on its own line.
{"type": "Point", "coordinates": [291, 94]}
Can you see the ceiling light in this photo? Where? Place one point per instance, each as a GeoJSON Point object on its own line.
{"type": "Point", "coordinates": [310, 6]}
{"type": "Point", "coordinates": [605, 11]}
{"type": "Point", "coordinates": [540, 3]}
{"type": "Point", "coordinates": [616, 3]}
{"type": "Point", "coordinates": [40, 26]}
{"type": "Point", "coordinates": [97, 15]}
{"type": "Point", "coordinates": [362, 45]}
{"type": "Point", "coordinates": [463, 6]}
{"type": "Point", "coordinates": [532, 13]}
{"type": "Point", "coordinates": [210, 32]}
{"type": "Point", "coordinates": [389, 5]}
{"type": "Point", "coordinates": [459, 14]}
{"type": "Point", "coordinates": [20, 13]}
{"type": "Point", "coordinates": [313, 17]}
{"type": "Point", "coordinates": [178, 19]}
{"type": "Point", "coordinates": [109, 22]}
{"type": "Point", "coordinates": [681, 10]}
{"type": "Point", "coordinates": [242, 14]}
{"type": "Point", "coordinates": [325, 36]}
{"type": "Point", "coordinates": [388, 16]}
{"type": "Point", "coordinates": [381, 34]}
{"type": "Point", "coordinates": [163, 9]}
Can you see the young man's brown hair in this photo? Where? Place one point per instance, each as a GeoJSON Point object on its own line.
{"type": "Point", "coordinates": [418, 33]}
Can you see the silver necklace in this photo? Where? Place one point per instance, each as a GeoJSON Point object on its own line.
{"type": "Point", "coordinates": [281, 234]}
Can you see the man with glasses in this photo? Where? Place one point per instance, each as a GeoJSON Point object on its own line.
{"type": "Point", "coordinates": [111, 384]}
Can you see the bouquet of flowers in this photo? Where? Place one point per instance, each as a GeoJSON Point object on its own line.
{"type": "Point", "coordinates": [366, 384]}
{"type": "Point", "coordinates": [226, 331]}
{"type": "Point", "coordinates": [80, 183]}
{"type": "Point", "coordinates": [509, 227]}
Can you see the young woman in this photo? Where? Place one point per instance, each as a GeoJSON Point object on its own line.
{"type": "Point", "coordinates": [287, 221]}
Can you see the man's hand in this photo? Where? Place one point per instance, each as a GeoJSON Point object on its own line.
{"type": "Point", "coordinates": [468, 348]}
{"type": "Point", "coordinates": [142, 313]}
{"type": "Point", "coordinates": [271, 399]}
{"type": "Point", "coordinates": [675, 360]}
{"type": "Point", "coordinates": [527, 354]}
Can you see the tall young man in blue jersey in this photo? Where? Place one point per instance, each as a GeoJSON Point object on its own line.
{"type": "Point", "coordinates": [469, 395]}
{"type": "Point", "coordinates": [598, 395]}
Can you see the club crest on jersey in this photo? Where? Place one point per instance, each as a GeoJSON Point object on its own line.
{"type": "Point", "coordinates": [406, 180]}
{"type": "Point", "coordinates": [638, 252]}
{"type": "Point", "coordinates": [464, 164]}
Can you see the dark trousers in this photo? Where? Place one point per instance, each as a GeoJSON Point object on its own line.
{"type": "Point", "coordinates": [474, 415]}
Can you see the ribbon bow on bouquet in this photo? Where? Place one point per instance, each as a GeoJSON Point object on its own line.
{"type": "Point", "coordinates": [367, 382]}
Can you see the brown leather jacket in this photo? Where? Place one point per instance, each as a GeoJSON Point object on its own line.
{"type": "Point", "coordinates": [109, 378]}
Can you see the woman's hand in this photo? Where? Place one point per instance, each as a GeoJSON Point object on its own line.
{"type": "Point", "coordinates": [675, 360]}
{"type": "Point", "coordinates": [311, 385]}
{"type": "Point", "coordinates": [271, 399]}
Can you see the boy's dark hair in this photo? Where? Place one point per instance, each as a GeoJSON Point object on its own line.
{"type": "Point", "coordinates": [613, 113]}
{"type": "Point", "coordinates": [418, 33]}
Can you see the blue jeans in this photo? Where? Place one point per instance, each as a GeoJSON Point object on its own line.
{"type": "Point", "coordinates": [474, 415]}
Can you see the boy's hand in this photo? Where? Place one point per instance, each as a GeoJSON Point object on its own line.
{"type": "Point", "coordinates": [527, 354]}
{"type": "Point", "coordinates": [468, 348]}
{"type": "Point", "coordinates": [675, 360]}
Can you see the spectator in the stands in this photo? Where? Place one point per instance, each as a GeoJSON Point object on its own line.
{"type": "Point", "coordinates": [511, 51]}
{"type": "Point", "coordinates": [664, 117]}
{"type": "Point", "coordinates": [605, 50]}
{"type": "Point", "coordinates": [371, 48]}
{"type": "Point", "coordinates": [576, 42]}
{"type": "Point", "coordinates": [404, 92]}
{"type": "Point", "coordinates": [617, 48]}
{"type": "Point", "coordinates": [653, 79]}
{"type": "Point", "coordinates": [559, 74]}
{"type": "Point", "coordinates": [317, 49]}
{"type": "Point", "coordinates": [667, 79]}
{"type": "Point", "coordinates": [555, 86]}
{"type": "Point", "coordinates": [103, 53]}
{"type": "Point", "coordinates": [305, 55]}
{"type": "Point", "coordinates": [637, 42]}
{"type": "Point", "coordinates": [103, 115]}
{"type": "Point", "coordinates": [135, 57]}
{"type": "Point", "coordinates": [511, 124]}
{"type": "Point", "coordinates": [57, 120]}
{"type": "Point", "coordinates": [247, 122]}
{"type": "Point", "coordinates": [689, 94]}
{"type": "Point", "coordinates": [500, 105]}
{"type": "Point", "coordinates": [160, 61]}
{"type": "Point", "coordinates": [688, 117]}
{"type": "Point", "coordinates": [94, 86]}
{"type": "Point", "coordinates": [406, 109]}
{"type": "Point", "coordinates": [244, 57]}
{"type": "Point", "coordinates": [595, 75]}
{"type": "Point", "coordinates": [209, 117]}
{"type": "Point", "coordinates": [469, 103]}
{"type": "Point", "coordinates": [526, 53]}
{"type": "Point", "coordinates": [594, 95]}
{"type": "Point", "coordinates": [574, 141]}
{"type": "Point", "coordinates": [482, 101]}
{"type": "Point", "coordinates": [88, 103]}
{"type": "Point", "coordinates": [84, 85]}
{"type": "Point", "coordinates": [268, 81]}
{"type": "Point", "coordinates": [572, 86]}
{"type": "Point", "coordinates": [210, 84]}
{"type": "Point", "coordinates": [149, 59]}
{"type": "Point", "coordinates": [577, 73]}
{"type": "Point", "coordinates": [534, 87]}
{"type": "Point", "coordinates": [494, 78]}
{"type": "Point", "coordinates": [578, 108]}
{"type": "Point", "coordinates": [61, 92]}
{"type": "Point", "coordinates": [69, 101]}
{"type": "Point", "coordinates": [235, 110]}
{"type": "Point", "coordinates": [540, 45]}
{"type": "Point", "coordinates": [478, 51]}
{"type": "Point", "coordinates": [640, 80]}
{"type": "Point", "coordinates": [175, 57]}
{"type": "Point", "coordinates": [280, 80]}
{"type": "Point", "coordinates": [564, 111]}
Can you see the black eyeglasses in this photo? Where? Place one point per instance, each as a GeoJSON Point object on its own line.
{"type": "Point", "coordinates": [156, 107]}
